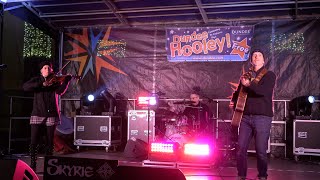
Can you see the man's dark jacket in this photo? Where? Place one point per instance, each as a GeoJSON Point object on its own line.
{"type": "Point", "coordinates": [259, 100]}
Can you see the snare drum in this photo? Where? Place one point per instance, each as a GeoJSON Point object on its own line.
{"type": "Point", "coordinates": [170, 129]}
{"type": "Point", "coordinates": [183, 125]}
{"type": "Point", "coordinates": [179, 138]}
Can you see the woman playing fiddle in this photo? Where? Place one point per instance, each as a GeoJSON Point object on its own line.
{"type": "Point", "coordinates": [45, 111]}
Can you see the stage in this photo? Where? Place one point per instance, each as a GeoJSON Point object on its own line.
{"type": "Point", "coordinates": [279, 169]}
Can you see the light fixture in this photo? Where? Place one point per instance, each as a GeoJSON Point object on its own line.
{"type": "Point", "coordinates": [163, 151]}
{"type": "Point", "coordinates": [90, 97]}
{"type": "Point", "coordinates": [147, 101]}
{"type": "Point", "coordinates": [197, 149]}
{"type": "Point", "coordinates": [87, 104]}
{"type": "Point", "coordinates": [198, 152]}
{"type": "Point", "coordinates": [311, 99]}
{"type": "Point", "coordinates": [302, 107]}
{"type": "Point", "coordinates": [162, 147]}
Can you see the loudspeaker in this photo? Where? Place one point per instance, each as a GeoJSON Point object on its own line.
{"type": "Point", "coordinates": [130, 172]}
{"type": "Point", "coordinates": [13, 169]}
{"type": "Point", "coordinates": [136, 148]}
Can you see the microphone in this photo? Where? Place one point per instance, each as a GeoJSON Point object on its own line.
{"type": "Point", "coordinates": [3, 66]}
{"type": "Point", "coordinates": [160, 93]}
{"type": "Point", "coordinates": [196, 89]}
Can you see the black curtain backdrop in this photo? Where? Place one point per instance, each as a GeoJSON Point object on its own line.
{"type": "Point", "coordinates": [146, 69]}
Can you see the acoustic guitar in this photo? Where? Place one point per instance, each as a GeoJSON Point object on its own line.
{"type": "Point", "coordinates": [241, 101]}
{"type": "Point", "coordinates": [242, 97]}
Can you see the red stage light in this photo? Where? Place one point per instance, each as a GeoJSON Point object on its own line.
{"type": "Point", "coordinates": [145, 101]}
{"type": "Point", "coordinates": [162, 147]}
{"type": "Point", "coordinates": [198, 152]}
{"type": "Point", "coordinates": [163, 151]}
{"type": "Point", "coordinates": [197, 149]}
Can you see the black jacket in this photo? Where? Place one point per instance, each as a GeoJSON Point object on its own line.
{"type": "Point", "coordinates": [45, 102]}
{"type": "Point", "coordinates": [259, 100]}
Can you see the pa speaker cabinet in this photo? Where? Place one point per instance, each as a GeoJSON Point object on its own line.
{"type": "Point", "coordinates": [306, 137]}
{"type": "Point", "coordinates": [15, 169]}
{"type": "Point", "coordinates": [147, 173]}
{"type": "Point", "coordinates": [139, 123]}
{"type": "Point", "coordinates": [97, 130]}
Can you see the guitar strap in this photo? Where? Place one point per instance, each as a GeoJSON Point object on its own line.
{"type": "Point", "coordinates": [237, 115]}
{"type": "Point", "coordinates": [260, 75]}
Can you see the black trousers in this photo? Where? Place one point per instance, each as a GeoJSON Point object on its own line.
{"type": "Point", "coordinates": [35, 134]}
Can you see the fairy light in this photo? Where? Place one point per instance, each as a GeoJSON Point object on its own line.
{"type": "Point", "coordinates": [36, 42]}
{"type": "Point", "coordinates": [115, 48]}
{"type": "Point", "coordinates": [293, 42]}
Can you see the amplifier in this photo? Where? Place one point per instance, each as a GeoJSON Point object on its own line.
{"type": "Point", "coordinates": [97, 130]}
{"type": "Point", "coordinates": [139, 123]}
{"type": "Point", "coordinates": [306, 137]}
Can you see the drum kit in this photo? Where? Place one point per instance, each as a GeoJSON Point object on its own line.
{"type": "Point", "coordinates": [177, 127]}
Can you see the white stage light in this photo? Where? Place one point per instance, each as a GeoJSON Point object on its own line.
{"type": "Point", "coordinates": [91, 97]}
{"type": "Point", "coordinates": [145, 101]}
{"type": "Point", "coordinates": [311, 99]}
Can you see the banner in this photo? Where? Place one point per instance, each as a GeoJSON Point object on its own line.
{"type": "Point", "coordinates": [209, 43]}
{"type": "Point", "coordinates": [78, 168]}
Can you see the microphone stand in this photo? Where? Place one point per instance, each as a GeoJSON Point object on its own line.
{"type": "Point", "coordinates": [199, 120]}
{"type": "Point", "coordinates": [148, 120]}
{"type": "Point", "coordinates": [214, 127]}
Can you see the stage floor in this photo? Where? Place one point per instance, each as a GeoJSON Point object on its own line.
{"type": "Point", "coordinates": [279, 169]}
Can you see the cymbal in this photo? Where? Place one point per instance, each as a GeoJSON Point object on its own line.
{"type": "Point", "coordinates": [163, 104]}
{"type": "Point", "coordinates": [164, 108]}
{"type": "Point", "coordinates": [195, 107]}
{"type": "Point", "coordinates": [169, 119]}
{"type": "Point", "coordinates": [164, 112]}
{"type": "Point", "coordinates": [183, 102]}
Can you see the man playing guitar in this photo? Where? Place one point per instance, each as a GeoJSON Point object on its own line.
{"type": "Point", "coordinates": [257, 114]}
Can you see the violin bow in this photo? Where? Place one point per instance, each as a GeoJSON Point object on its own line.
{"type": "Point", "coordinates": [63, 67]}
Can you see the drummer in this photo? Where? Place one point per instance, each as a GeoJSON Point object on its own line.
{"type": "Point", "coordinates": [198, 114]}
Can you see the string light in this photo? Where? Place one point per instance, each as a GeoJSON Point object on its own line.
{"type": "Point", "coordinates": [116, 48]}
{"type": "Point", "coordinates": [36, 42]}
{"type": "Point", "coordinates": [293, 42]}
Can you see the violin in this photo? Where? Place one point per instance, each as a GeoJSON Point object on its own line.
{"type": "Point", "coordinates": [53, 78]}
